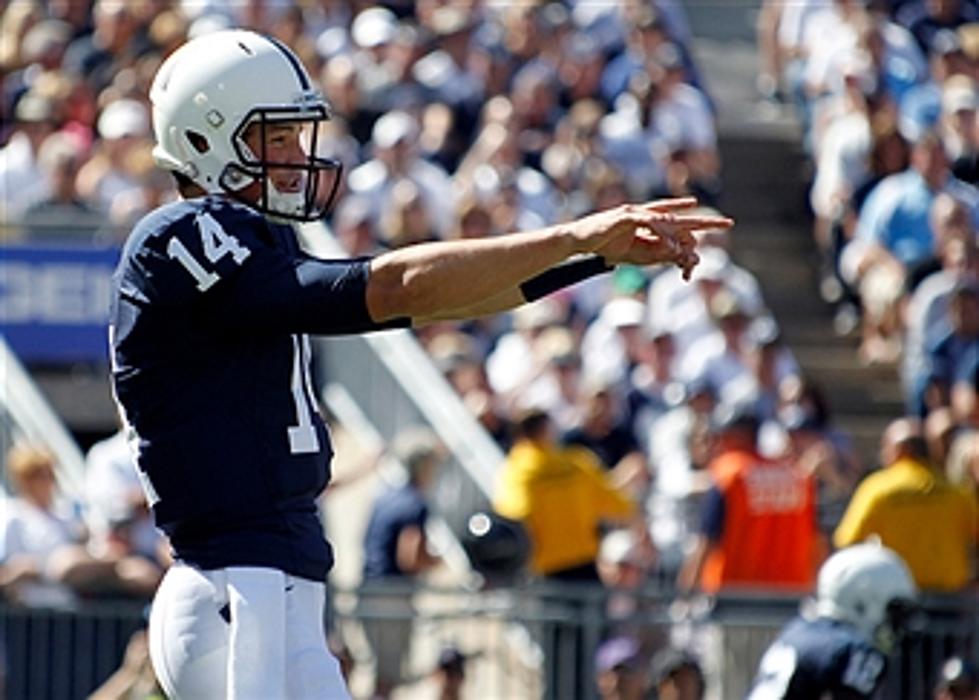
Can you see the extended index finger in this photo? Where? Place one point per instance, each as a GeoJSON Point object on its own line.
{"type": "Point", "coordinates": [672, 204]}
{"type": "Point", "coordinates": [706, 223]}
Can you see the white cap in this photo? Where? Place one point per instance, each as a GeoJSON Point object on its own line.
{"type": "Point", "coordinates": [713, 264]}
{"type": "Point", "coordinates": [124, 118]}
{"type": "Point", "coordinates": [959, 96]}
{"type": "Point", "coordinates": [538, 314]}
{"type": "Point", "coordinates": [623, 312]}
{"type": "Point", "coordinates": [208, 23]}
{"type": "Point", "coordinates": [618, 547]}
{"type": "Point", "coordinates": [392, 128]}
{"type": "Point", "coordinates": [373, 27]}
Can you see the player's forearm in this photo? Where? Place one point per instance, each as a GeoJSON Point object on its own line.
{"type": "Point", "coordinates": [541, 285]}
{"type": "Point", "coordinates": [430, 280]}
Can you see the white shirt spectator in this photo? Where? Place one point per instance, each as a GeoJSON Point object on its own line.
{"type": "Point", "coordinates": [842, 162]}
{"type": "Point", "coordinates": [683, 119]}
{"type": "Point", "coordinates": [32, 532]}
{"type": "Point", "coordinates": [114, 495]}
{"type": "Point", "coordinates": [604, 354]}
{"type": "Point", "coordinates": [21, 181]}
{"type": "Point", "coordinates": [833, 40]}
{"type": "Point", "coordinates": [680, 307]}
{"type": "Point", "coordinates": [639, 153]}
{"type": "Point", "coordinates": [374, 179]}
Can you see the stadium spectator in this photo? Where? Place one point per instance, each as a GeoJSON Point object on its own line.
{"type": "Point", "coordinates": [910, 506]}
{"type": "Point", "coordinates": [653, 387]}
{"type": "Point", "coordinates": [627, 563]}
{"type": "Point", "coordinates": [842, 146]}
{"type": "Point", "coordinates": [450, 674]}
{"type": "Point", "coordinates": [758, 523]}
{"type": "Point", "coordinates": [562, 496]}
{"type": "Point", "coordinates": [604, 430]}
{"type": "Point", "coordinates": [394, 139]}
{"type": "Point", "coordinates": [811, 449]}
{"type": "Point", "coordinates": [406, 219]}
{"type": "Point", "coordinates": [769, 363]}
{"type": "Point", "coordinates": [926, 19]}
{"type": "Point", "coordinates": [45, 559]}
{"type": "Point", "coordinates": [939, 432]}
{"type": "Point", "coordinates": [397, 551]}
{"type": "Point", "coordinates": [626, 141]}
{"type": "Point", "coordinates": [98, 55]}
{"type": "Point", "coordinates": [620, 669]}
{"type": "Point", "coordinates": [678, 454]}
{"type": "Point", "coordinates": [109, 174]}
{"type": "Point", "coordinates": [117, 514]}
{"type": "Point", "coordinates": [22, 180]}
{"type": "Point", "coordinates": [682, 117]}
{"type": "Point", "coordinates": [960, 135]}
{"type": "Point", "coordinates": [610, 347]}
{"type": "Point", "coordinates": [951, 356]}
{"type": "Point", "coordinates": [625, 559]}
{"type": "Point", "coordinates": [685, 308]}
{"type": "Point", "coordinates": [894, 234]}
{"type": "Point", "coordinates": [958, 680]}
{"type": "Point", "coordinates": [926, 314]}
{"type": "Point", "coordinates": [63, 214]}
{"type": "Point", "coordinates": [962, 465]}
{"type": "Point", "coordinates": [513, 365]}
{"type": "Point", "coordinates": [35, 529]}
{"type": "Point", "coordinates": [965, 399]}
{"type": "Point", "coordinates": [676, 674]}
{"type": "Point", "coordinates": [354, 227]}
{"type": "Point", "coordinates": [720, 358]}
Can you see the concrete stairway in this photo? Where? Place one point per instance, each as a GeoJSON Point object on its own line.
{"type": "Point", "coordinates": [765, 182]}
{"type": "Point", "coordinates": [765, 191]}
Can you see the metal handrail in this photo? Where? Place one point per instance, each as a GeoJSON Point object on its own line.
{"type": "Point", "coordinates": [35, 419]}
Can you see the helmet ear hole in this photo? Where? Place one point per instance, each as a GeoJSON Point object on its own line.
{"type": "Point", "coordinates": [198, 141]}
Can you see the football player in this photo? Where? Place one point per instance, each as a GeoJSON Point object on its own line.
{"type": "Point", "coordinates": [212, 301]}
{"type": "Point", "coordinates": [863, 594]}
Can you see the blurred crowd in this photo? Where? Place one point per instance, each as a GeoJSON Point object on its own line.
{"type": "Point", "coordinates": [665, 421]}
{"type": "Point", "coordinates": [887, 96]}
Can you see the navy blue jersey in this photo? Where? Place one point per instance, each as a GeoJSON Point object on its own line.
{"type": "Point", "coordinates": [393, 511]}
{"type": "Point", "coordinates": [210, 365]}
{"type": "Point", "coordinates": [819, 658]}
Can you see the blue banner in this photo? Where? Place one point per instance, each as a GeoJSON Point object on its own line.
{"type": "Point", "coordinates": [54, 302]}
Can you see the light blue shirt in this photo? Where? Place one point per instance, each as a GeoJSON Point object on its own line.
{"type": "Point", "coordinates": [896, 214]}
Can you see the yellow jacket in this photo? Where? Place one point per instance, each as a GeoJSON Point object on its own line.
{"type": "Point", "coordinates": [560, 495]}
{"type": "Point", "coordinates": [932, 524]}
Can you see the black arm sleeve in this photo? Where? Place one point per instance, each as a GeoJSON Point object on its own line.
{"type": "Point", "coordinates": [306, 295]}
{"type": "Point", "coordinates": [563, 275]}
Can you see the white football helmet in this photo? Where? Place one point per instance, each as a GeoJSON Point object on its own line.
{"type": "Point", "coordinates": [868, 586]}
{"type": "Point", "coordinates": [210, 90]}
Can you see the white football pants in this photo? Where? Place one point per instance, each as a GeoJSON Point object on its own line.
{"type": "Point", "coordinates": [242, 633]}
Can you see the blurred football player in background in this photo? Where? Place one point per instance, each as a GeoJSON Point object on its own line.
{"type": "Point", "coordinates": [863, 595]}
{"type": "Point", "coordinates": [211, 302]}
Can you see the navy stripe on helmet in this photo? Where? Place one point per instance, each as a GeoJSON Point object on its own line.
{"type": "Point", "coordinates": [293, 61]}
